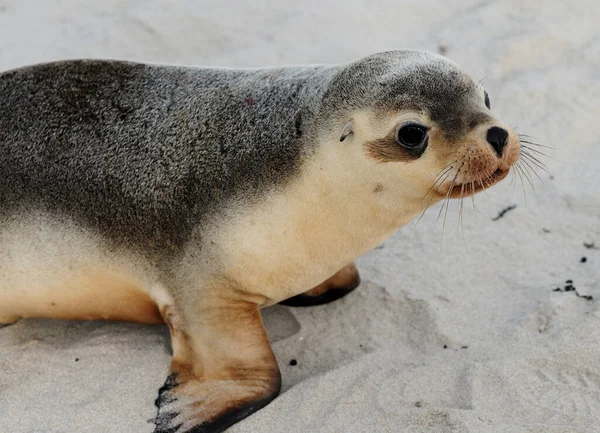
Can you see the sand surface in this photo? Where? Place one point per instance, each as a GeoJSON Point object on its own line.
{"type": "Point", "coordinates": [444, 335]}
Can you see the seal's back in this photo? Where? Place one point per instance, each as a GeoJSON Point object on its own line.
{"type": "Point", "coordinates": [141, 153]}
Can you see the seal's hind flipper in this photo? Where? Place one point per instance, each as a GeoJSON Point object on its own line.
{"type": "Point", "coordinates": [339, 285]}
{"type": "Point", "coordinates": [223, 370]}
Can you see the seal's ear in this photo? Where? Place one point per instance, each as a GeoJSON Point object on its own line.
{"type": "Point", "coordinates": [348, 129]}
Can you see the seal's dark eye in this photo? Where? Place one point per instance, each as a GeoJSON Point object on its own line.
{"type": "Point", "coordinates": [412, 135]}
{"type": "Point", "coordinates": [487, 100]}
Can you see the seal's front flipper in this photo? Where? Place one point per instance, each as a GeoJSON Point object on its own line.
{"type": "Point", "coordinates": [223, 369]}
{"type": "Point", "coordinates": [339, 285]}
{"type": "Point", "coordinates": [6, 319]}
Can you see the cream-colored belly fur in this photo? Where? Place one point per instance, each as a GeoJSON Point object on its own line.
{"type": "Point", "coordinates": [52, 268]}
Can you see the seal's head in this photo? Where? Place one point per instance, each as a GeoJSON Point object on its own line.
{"type": "Point", "coordinates": [421, 125]}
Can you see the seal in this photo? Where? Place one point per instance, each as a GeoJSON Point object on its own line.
{"type": "Point", "coordinates": [196, 196]}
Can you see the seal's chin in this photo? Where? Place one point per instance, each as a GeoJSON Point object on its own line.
{"type": "Point", "coordinates": [465, 188]}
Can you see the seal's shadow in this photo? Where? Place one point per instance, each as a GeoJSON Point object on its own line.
{"type": "Point", "coordinates": [67, 334]}
{"type": "Point", "coordinates": [280, 323]}
{"type": "Point", "coordinates": [314, 340]}
{"type": "Point", "coordinates": [307, 341]}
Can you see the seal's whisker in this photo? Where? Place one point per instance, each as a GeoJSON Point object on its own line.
{"type": "Point", "coordinates": [529, 164]}
{"type": "Point", "coordinates": [449, 165]}
{"type": "Point", "coordinates": [438, 178]}
{"type": "Point", "coordinates": [530, 180]}
{"type": "Point", "coordinates": [536, 144]}
{"type": "Point", "coordinates": [519, 171]}
{"type": "Point", "coordinates": [462, 188]}
{"type": "Point", "coordinates": [460, 215]}
{"type": "Point", "coordinates": [488, 184]}
{"type": "Point", "coordinates": [448, 199]}
{"type": "Point", "coordinates": [442, 208]}
{"type": "Point", "coordinates": [448, 194]}
{"type": "Point", "coordinates": [535, 161]}
{"type": "Point", "coordinates": [527, 175]}
{"type": "Point", "coordinates": [447, 206]}
{"type": "Point", "coordinates": [483, 187]}
{"type": "Point", "coordinates": [473, 198]}
{"type": "Point", "coordinates": [533, 145]}
{"type": "Point", "coordinates": [513, 182]}
{"type": "Point", "coordinates": [437, 183]}
{"type": "Point", "coordinates": [445, 169]}
{"type": "Point", "coordinates": [539, 152]}
{"type": "Point", "coordinates": [512, 179]}
{"type": "Point", "coordinates": [526, 151]}
{"type": "Point", "coordinates": [444, 203]}
{"type": "Point", "coordinates": [528, 137]}
{"type": "Point", "coordinates": [527, 172]}
{"type": "Point", "coordinates": [531, 167]}
{"type": "Point", "coordinates": [425, 210]}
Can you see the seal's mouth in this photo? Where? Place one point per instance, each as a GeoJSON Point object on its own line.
{"type": "Point", "coordinates": [477, 184]}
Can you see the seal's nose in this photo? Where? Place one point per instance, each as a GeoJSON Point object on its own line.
{"type": "Point", "coordinates": [497, 138]}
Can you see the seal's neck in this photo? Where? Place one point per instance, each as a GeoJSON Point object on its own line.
{"type": "Point", "coordinates": [304, 233]}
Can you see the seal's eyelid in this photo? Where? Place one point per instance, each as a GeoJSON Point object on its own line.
{"type": "Point", "coordinates": [487, 99]}
{"type": "Point", "coordinates": [414, 123]}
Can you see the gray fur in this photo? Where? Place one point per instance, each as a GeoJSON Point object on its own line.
{"type": "Point", "coordinates": [416, 80]}
{"type": "Point", "coordinates": [143, 153]}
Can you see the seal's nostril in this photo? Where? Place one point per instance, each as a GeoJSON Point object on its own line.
{"type": "Point", "coordinates": [497, 138]}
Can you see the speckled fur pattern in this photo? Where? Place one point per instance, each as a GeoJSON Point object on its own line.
{"type": "Point", "coordinates": [408, 80]}
{"type": "Point", "coordinates": [142, 153]}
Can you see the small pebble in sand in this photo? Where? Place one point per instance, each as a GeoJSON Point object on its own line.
{"type": "Point", "coordinates": [583, 259]}
{"type": "Point", "coordinates": [293, 362]}
{"type": "Point", "coordinates": [569, 287]}
{"type": "Point", "coordinates": [504, 212]}
{"type": "Point", "coordinates": [76, 359]}
{"type": "Point", "coordinates": [418, 404]}
{"type": "Point", "coordinates": [445, 346]}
